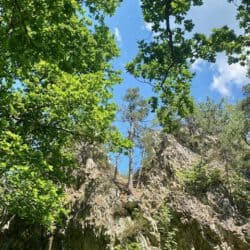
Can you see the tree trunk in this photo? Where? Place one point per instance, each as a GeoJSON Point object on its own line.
{"type": "Point", "coordinates": [131, 157]}
{"type": "Point", "coordinates": [140, 171]}
{"type": "Point", "coordinates": [130, 171]}
{"type": "Point", "coordinates": [50, 242]}
{"type": "Point", "coordinates": [116, 167]}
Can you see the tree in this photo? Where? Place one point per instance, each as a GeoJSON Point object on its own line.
{"type": "Point", "coordinates": [52, 93]}
{"type": "Point", "coordinates": [165, 62]}
{"type": "Point", "coordinates": [222, 138]}
{"type": "Point", "coordinates": [231, 145]}
{"type": "Point", "coordinates": [210, 116]}
{"type": "Point", "coordinates": [223, 123]}
{"type": "Point", "coordinates": [117, 158]}
{"type": "Point", "coordinates": [134, 113]}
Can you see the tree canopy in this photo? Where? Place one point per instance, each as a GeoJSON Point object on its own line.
{"type": "Point", "coordinates": [55, 87]}
{"type": "Point", "coordinates": [165, 61]}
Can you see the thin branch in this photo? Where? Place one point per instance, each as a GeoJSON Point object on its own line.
{"type": "Point", "coordinates": [167, 72]}
{"type": "Point", "coordinates": [168, 28]}
{"type": "Point", "coordinates": [144, 82]}
{"type": "Point", "coordinates": [169, 35]}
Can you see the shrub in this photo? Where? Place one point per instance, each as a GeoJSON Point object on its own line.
{"type": "Point", "coordinates": [168, 234]}
{"type": "Point", "coordinates": [129, 246]}
{"type": "Point", "coordinates": [199, 178]}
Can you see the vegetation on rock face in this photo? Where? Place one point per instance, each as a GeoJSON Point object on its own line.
{"type": "Point", "coordinates": [130, 246]}
{"type": "Point", "coordinates": [219, 134]}
{"type": "Point", "coordinates": [168, 234]}
{"type": "Point", "coordinates": [200, 179]}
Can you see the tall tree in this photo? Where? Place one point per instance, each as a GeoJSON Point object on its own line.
{"type": "Point", "coordinates": [222, 138]}
{"type": "Point", "coordinates": [135, 111]}
{"type": "Point", "coordinates": [165, 61]}
{"type": "Point", "coordinates": [52, 92]}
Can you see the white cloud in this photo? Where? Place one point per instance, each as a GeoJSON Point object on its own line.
{"type": "Point", "coordinates": [148, 26]}
{"type": "Point", "coordinates": [227, 76]}
{"type": "Point", "coordinates": [197, 66]}
{"type": "Point", "coordinates": [118, 35]}
{"type": "Point", "coordinates": [213, 14]}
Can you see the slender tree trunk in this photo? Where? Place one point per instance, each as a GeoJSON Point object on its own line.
{"type": "Point", "coordinates": [116, 166]}
{"type": "Point", "coordinates": [50, 242]}
{"type": "Point", "coordinates": [130, 171]}
{"type": "Point", "coordinates": [228, 179]}
{"type": "Point", "coordinates": [140, 170]}
{"type": "Point", "coordinates": [131, 157]}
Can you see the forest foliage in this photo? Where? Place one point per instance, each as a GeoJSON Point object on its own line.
{"type": "Point", "coordinates": [165, 62]}
{"type": "Point", "coordinates": [52, 93]}
{"type": "Point", "coordinates": [217, 131]}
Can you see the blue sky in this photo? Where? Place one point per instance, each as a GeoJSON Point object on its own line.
{"type": "Point", "coordinates": [213, 80]}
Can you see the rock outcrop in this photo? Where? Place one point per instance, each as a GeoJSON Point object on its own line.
{"type": "Point", "coordinates": [103, 216]}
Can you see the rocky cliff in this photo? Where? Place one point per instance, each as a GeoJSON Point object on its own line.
{"type": "Point", "coordinates": [160, 214]}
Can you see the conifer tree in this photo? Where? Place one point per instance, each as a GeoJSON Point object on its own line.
{"type": "Point", "coordinates": [134, 112]}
